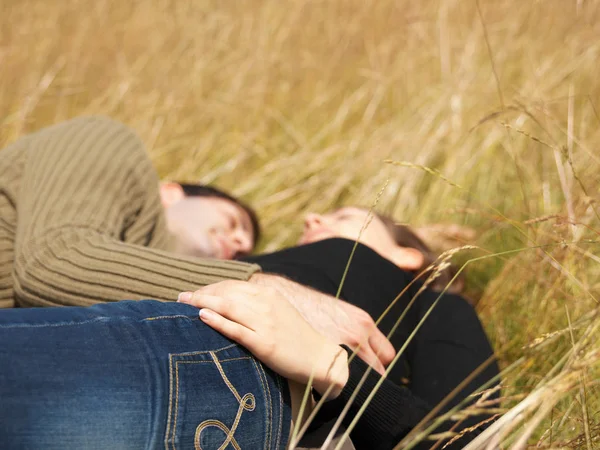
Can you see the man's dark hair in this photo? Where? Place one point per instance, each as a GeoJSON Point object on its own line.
{"type": "Point", "coordinates": [201, 190]}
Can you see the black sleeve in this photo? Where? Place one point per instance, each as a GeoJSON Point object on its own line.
{"type": "Point", "coordinates": [450, 349]}
{"type": "Point", "coordinates": [389, 416]}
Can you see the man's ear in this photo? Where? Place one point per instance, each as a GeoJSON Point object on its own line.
{"type": "Point", "coordinates": [170, 193]}
{"type": "Point", "coordinates": [407, 258]}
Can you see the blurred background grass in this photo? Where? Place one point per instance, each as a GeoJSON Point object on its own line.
{"type": "Point", "coordinates": [296, 105]}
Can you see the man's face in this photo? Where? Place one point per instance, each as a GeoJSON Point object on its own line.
{"type": "Point", "coordinates": [210, 227]}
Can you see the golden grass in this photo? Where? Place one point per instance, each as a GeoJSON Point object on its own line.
{"type": "Point", "coordinates": [492, 109]}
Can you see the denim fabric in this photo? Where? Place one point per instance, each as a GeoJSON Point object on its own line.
{"type": "Point", "coordinates": [133, 375]}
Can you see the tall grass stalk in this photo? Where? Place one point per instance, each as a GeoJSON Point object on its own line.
{"type": "Point", "coordinates": [296, 105]}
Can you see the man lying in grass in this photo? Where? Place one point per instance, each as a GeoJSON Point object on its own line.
{"type": "Point", "coordinates": [111, 366]}
{"type": "Point", "coordinates": [83, 220]}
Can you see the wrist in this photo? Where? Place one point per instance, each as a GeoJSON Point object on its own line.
{"type": "Point", "coordinates": [260, 278]}
{"type": "Point", "coordinates": [290, 290]}
{"type": "Point", "coordinates": [333, 371]}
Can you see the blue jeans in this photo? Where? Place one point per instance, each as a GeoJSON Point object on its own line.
{"type": "Point", "coordinates": [133, 375]}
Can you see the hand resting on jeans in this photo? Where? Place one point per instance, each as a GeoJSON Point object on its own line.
{"type": "Point", "coordinates": [259, 318]}
{"type": "Point", "coordinates": [338, 320]}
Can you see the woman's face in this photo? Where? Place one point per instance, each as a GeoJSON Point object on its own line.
{"type": "Point", "coordinates": [347, 223]}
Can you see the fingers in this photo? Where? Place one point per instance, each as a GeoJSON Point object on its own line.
{"type": "Point", "coordinates": [371, 349]}
{"type": "Point", "coordinates": [247, 305]}
{"type": "Point", "coordinates": [372, 338]}
{"type": "Point", "coordinates": [236, 309]}
{"type": "Point", "coordinates": [228, 328]}
{"type": "Point", "coordinates": [382, 347]}
{"type": "Point", "coordinates": [367, 355]}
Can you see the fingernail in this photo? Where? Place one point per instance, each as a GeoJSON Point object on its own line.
{"type": "Point", "coordinates": [205, 314]}
{"type": "Point", "coordinates": [184, 297]}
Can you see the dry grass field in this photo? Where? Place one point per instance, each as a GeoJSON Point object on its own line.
{"type": "Point", "coordinates": [490, 111]}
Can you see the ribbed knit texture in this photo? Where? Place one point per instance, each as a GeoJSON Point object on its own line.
{"type": "Point", "coordinates": [390, 415]}
{"type": "Point", "coordinates": [81, 222]}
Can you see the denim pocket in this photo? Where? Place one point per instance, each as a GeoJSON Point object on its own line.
{"type": "Point", "coordinates": [222, 399]}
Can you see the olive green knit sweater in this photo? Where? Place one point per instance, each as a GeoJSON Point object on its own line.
{"type": "Point", "coordinates": [81, 222]}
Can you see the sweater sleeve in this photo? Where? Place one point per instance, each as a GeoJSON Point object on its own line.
{"type": "Point", "coordinates": [449, 347]}
{"type": "Point", "coordinates": [91, 227]}
{"type": "Point", "coordinates": [389, 416]}
{"type": "Point", "coordinates": [392, 412]}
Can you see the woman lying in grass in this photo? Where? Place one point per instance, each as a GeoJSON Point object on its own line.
{"type": "Point", "coordinates": [148, 374]}
{"type": "Point", "coordinates": [449, 347]}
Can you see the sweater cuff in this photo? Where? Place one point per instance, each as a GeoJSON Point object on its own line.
{"type": "Point", "coordinates": [391, 413]}
{"type": "Point", "coordinates": [332, 408]}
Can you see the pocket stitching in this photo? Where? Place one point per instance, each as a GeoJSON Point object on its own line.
{"type": "Point", "coordinates": [265, 386]}
{"type": "Point", "coordinates": [243, 405]}
{"type": "Point", "coordinates": [229, 432]}
{"type": "Point", "coordinates": [173, 415]}
{"type": "Point", "coordinates": [170, 410]}
{"type": "Point", "coordinates": [281, 408]}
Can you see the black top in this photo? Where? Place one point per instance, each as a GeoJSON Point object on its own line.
{"type": "Point", "coordinates": [446, 349]}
